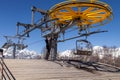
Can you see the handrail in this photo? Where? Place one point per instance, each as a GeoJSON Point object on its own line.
{"type": "Point", "coordinates": [6, 73]}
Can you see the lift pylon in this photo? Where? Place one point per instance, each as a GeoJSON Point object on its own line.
{"type": "Point", "coordinates": [85, 14]}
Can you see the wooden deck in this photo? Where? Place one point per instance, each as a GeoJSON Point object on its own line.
{"type": "Point", "coordinates": [47, 70]}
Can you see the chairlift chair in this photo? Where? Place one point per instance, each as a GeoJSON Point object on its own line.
{"type": "Point", "coordinates": [83, 47]}
{"type": "Point", "coordinates": [7, 45]}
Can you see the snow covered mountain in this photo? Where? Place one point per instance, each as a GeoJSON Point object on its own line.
{"type": "Point", "coordinates": [21, 54]}
{"type": "Point", "coordinates": [100, 51]}
{"type": "Point", "coordinates": [28, 54]}
{"type": "Point", "coordinates": [67, 53]}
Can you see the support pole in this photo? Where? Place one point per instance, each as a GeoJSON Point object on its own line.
{"type": "Point", "coordinates": [48, 47]}
{"type": "Point", "coordinates": [14, 50]}
{"type": "Point", "coordinates": [51, 47]}
{"type": "Point", "coordinates": [54, 48]}
{"type": "Point", "coordinates": [32, 17]}
{"type": "Point", "coordinates": [17, 29]}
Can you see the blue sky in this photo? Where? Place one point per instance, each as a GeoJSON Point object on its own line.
{"type": "Point", "coordinates": [12, 11]}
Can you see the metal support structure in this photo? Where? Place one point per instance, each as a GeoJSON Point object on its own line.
{"type": "Point", "coordinates": [33, 14]}
{"type": "Point", "coordinates": [48, 47]}
{"type": "Point", "coordinates": [61, 17]}
{"type": "Point", "coordinates": [15, 45]}
{"type": "Point", "coordinates": [35, 27]}
{"type": "Point", "coordinates": [51, 46]}
{"type": "Point", "coordinates": [26, 26]}
{"type": "Point", "coordinates": [82, 35]}
{"type": "Point", "coordinates": [43, 12]}
{"type": "Point", "coordinates": [54, 48]}
{"type": "Point", "coordinates": [14, 50]}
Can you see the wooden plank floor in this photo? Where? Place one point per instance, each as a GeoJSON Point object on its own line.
{"type": "Point", "coordinates": [47, 70]}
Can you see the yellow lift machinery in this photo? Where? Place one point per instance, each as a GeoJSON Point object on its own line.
{"type": "Point", "coordinates": [85, 12]}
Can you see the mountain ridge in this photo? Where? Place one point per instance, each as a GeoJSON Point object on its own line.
{"type": "Point", "coordinates": [31, 54]}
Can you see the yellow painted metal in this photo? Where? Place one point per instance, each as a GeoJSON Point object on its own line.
{"type": "Point", "coordinates": [85, 12]}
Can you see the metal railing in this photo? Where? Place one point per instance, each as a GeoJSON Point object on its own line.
{"type": "Point", "coordinates": [6, 74]}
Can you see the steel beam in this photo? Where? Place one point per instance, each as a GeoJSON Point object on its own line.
{"type": "Point", "coordinates": [36, 26]}
{"type": "Point", "coordinates": [86, 34]}
{"type": "Point", "coordinates": [39, 10]}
